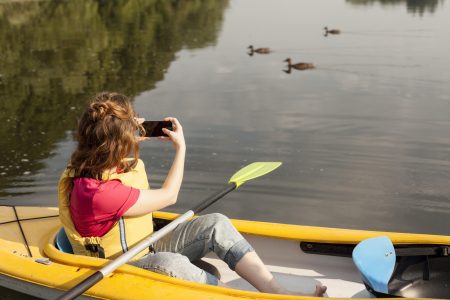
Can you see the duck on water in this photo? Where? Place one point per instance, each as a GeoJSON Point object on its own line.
{"type": "Point", "coordinates": [298, 66]}
{"type": "Point", "coordinates": [258, 50]}
{"type": "Point", "coordinates": [331, 31]}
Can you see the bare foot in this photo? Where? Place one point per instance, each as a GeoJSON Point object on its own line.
{"type": "Point", "coordinates": [320, 290]}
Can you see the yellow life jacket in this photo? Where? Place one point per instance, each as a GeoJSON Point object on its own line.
{"type": "Point", "coordinates": [127, 232]}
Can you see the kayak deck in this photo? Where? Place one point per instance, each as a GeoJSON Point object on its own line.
{"type": "Point", "coordinates": [277, 244]}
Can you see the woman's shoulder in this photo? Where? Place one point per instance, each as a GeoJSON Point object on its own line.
{"type": "Point", "coordinates": [87, 183]}
{"type": "Point", "coordinates": [96, 190]}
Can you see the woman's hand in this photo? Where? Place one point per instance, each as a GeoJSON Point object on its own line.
{"type": "Point", "coordinates": [156, 199]}
{"type": "Point", "coordinates": [176, 136]}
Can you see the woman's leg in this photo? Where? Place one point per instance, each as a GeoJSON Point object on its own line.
{"type": "Point", "coordinates": [174, 265]}
{"type": "Point", "coordinates": [214, 232]}
{"type": "Point", "coordinates": [199, 236]}
{"type": "Point", "coordinates": [251, 268]}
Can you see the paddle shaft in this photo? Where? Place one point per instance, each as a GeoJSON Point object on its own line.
{"type": "Point", "coordinates": [155, 236]}
{"type": "Point", "coordinates": [213, 198]}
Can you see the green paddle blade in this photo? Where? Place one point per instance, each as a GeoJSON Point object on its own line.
{"type": "Point", "coordinates": [252, 171]}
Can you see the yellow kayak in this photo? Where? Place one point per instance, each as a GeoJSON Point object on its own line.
{"type": "Point", "coordinates": [299, 256]}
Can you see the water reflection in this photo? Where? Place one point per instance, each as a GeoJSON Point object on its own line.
{"type": "Point", "coordinates": [413, 6]}
{"type": "Point", "coordinates": [54, 54]}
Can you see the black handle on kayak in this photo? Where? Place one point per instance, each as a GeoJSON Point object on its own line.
{"type": "Point", "coordinates": [81, 287]}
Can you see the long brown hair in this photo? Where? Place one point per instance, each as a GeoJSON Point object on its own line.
{"type": "Point", "coordinates": [106, 136]}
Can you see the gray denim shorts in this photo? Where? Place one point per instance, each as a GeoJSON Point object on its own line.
{"type": "Point", "coordinates": [191, 241]}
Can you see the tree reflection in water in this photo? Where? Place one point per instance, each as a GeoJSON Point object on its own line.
{"type": "Point", "coordinates": [54, 55]}
{"type": "Point", "coordinates": [413, 6]}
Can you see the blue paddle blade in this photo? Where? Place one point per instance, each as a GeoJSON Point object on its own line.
{"type": "Point", "coordinates": [375, 260]}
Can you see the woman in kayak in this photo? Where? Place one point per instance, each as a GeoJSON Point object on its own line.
{"type": "Point", "coordinates": [105, 203]}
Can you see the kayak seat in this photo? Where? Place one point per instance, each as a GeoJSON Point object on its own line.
{"type": "Point", "coordinates": [62, 242]}
{"type": "Point", "coordinates": [375, 259]}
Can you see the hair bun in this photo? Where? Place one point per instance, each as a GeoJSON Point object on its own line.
{"type": "Point", "coordinates": [110, 104]}
{"type": "Point", "coordinates": [99, 111]}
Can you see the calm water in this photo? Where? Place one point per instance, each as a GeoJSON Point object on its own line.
{"type": "Point", "coordinates": [364, 137]}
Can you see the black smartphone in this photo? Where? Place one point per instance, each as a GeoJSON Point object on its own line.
{"type": "Point", "coordinates": [154, 128]}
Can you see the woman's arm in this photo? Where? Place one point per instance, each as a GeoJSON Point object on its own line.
{"type": "Point", "coordinates": [152, 200]}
